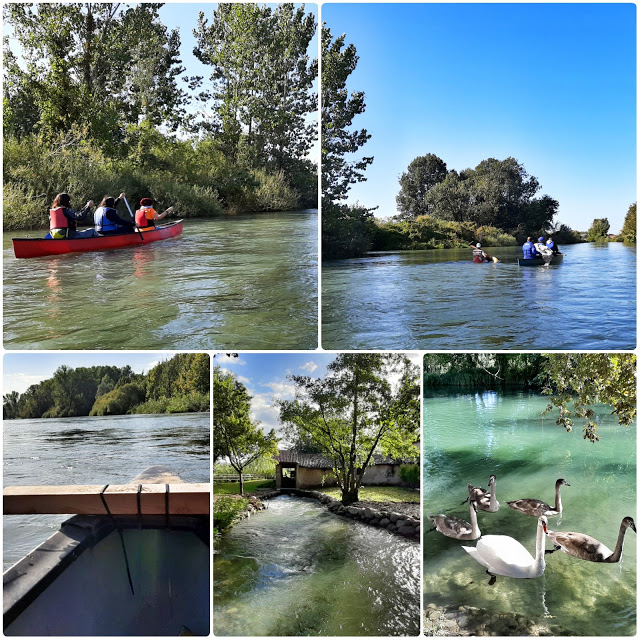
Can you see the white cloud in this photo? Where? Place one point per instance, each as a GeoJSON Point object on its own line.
{"type": "Point", "coordinates": [20, 382]}
{"type": "Point", "coordinates": [309, 366]}
{"type": "Point", "coordinates": [223, 358]}
{"type": "Point", "coordinates": [282, 389]}
{"type": "Point", "coordinates": [243, 380]}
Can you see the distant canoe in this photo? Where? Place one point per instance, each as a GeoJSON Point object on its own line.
{"type": "Point", "coordinates": [538, 262]}
{"type": "Point", "coordinates": [38, 247]}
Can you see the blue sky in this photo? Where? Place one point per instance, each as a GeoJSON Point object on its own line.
{"type": "Point", "coordinates": [21, 370]}
{"type": "Point", "coordinates": [265, 377]}
{"type": "Point", "coordinates": [552, 85]}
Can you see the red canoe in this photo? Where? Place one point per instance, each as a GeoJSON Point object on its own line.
{"type": "Point", "coordinates": [37, 247]}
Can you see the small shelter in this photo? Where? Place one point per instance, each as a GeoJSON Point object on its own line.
{"type": "Point", "coordinates": [297, 470]}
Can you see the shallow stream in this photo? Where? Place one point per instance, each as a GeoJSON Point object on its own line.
{"type": "Point", "coordinates": [297, 569]}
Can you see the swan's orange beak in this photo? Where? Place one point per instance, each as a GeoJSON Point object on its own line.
{"type": "Point", "coordinates": [544, 527]}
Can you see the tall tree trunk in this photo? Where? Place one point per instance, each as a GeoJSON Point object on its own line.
{"type": "Point", "coordinates": [241, 483]}
{"type": "Point", "coordinates": [349, 496]}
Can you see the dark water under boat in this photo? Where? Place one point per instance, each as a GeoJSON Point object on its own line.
{"type": "Point", "coordinates": [440, 300]}
{"type": "Point", "coordinates": [297, 569]}
{"type": "Point", "coordinates": [245, 282]}
{"type": "Point", "coordinates": [467, 437]}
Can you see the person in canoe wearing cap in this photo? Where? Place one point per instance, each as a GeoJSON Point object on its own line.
{"type": "Point", "coordinates": [542, 248]}
{"type": "Point", "coordinates": [479, 255]}
{"type": "Point", "coordinates": [553, 246]}
{"type": "Point", "coordinates": [146, 215]}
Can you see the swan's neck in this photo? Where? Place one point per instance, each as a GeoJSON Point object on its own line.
{"type": "Point", "coordinates": [558, 506]}
{"type": "Point", "coordinates": [493, 503]}
{"type": "Point", "coordinates": [538, 563]}
{"type": "Point", "coordinates": [616, 555]}
{"type": "Point", "coordinates": [475, 529]}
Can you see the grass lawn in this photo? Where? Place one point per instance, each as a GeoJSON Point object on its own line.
{"type": "Point", "coordinates": [379, 494]}
{"type": "Point", "coordinates": [228, 488]}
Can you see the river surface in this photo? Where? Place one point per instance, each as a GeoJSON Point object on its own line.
{"type": "Point", "coordinates": [439, 299]}
{"type": "Point", "coordinates": [89, 450]}
{"type": "Point", "coordinates": [469, 437]}
{"type": "Point", "coordinates": [242, 282]}
{"type": "Point", "coordinates": [297, 569]}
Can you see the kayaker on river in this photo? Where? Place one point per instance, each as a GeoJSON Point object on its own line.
{"type": "Point", "coordinates": [63, 220]}
{"type": "Point", "coordinates": [146, 215]}
{"type": "Point", "coordinates": [479, 255]}
{"type": "Point", "coordinates": [107, 221]}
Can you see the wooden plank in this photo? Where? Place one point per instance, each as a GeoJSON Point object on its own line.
{"type": "Point", "coordinates": [184, 499]}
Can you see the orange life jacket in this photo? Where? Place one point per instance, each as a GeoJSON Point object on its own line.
{"type": "Point", "coordinates": [145, 216]}
{"type": "Point", "coordinates": [57, 219]}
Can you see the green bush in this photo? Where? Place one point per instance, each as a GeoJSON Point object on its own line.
{"type": "Point", "coordinates": [226, 511]}
{"type": "Point", "coordinates": [119, 401]}
{"type": "Point", "coordinates": [188, 404]}
{"type": "Point", "coordinates": [410, 474]}
{"type": "Point", "coordinates": [152, 406]}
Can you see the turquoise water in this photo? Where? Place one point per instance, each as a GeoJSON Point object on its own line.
{"type": "Point", "coordinates": [441, 300]}
{"type": "Point", "coordinates": [467, 437]}
{"type": "Point", "coordinates": [297, 569]}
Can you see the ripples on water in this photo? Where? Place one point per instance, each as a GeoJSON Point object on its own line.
{"type": "Point", "coordinates": [441, 300]}
{"type": "Point", "coordinates": [297, 569]}
{"type": "Point", "coordinates": [245, 282]}
{"type": "Point", "coordinates": [469, 437]}
{"type": "Point", "coordinates": [94, 451]}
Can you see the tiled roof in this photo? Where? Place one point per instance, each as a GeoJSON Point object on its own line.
{"type": "Point", "coordinates": [320, 461]}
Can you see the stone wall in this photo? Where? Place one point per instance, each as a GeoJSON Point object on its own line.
{"type": "Point", "coordinates": [397, 523]}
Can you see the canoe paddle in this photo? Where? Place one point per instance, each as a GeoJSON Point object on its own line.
{"type": "Point", "coordinates": [134, 219]}
{"type": "Point", "coordinates": [473, 246]}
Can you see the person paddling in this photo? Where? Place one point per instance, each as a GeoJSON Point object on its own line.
{"type": "Point", "coordinates": [106, 218]}
{"type": "Point", "coordinates": [146, 215]}
{"type": "Point", "coordinates": [480, 256]}
{"type": "Point", "coordinates": [63, 220]}
{"type": "Point", "coordinates": [553, 246]}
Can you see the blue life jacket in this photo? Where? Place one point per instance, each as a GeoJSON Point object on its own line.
{"type": "Point", "coordinates": [551, 244]}
{"type": "Point", "coordinates": [529, 250]}
{"type": "Point", "coordinates": [102, 223]}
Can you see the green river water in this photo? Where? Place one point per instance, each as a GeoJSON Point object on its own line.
{"type": "Point", "coordinates": [468, 437]}
{"type": "Point", "coordinates": [297, 569]}
{"type": "Point", "coordinates": [243, 282]}
{"type": "Point", "coordinates": [440, 299]}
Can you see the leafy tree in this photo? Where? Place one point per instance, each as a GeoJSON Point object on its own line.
{"type": "Point", "coordinates": [262, 82]}
{"type": "Point", "coordinates": [347, 230]}
{"type": "Point", "coordinates": [483, 370]}
{"type": "Point", "coordinates": [422, 174]}
{"type": "Point", "coordinates": [586, 379]}
{"type": "Point", "coordinates": [235, 436]}
{"type": "Point", "coordinates": [338, 110]}
{"type": "Point", "coordinates": [629, 227]}
{"type": "Point", "coordinates": [599, 230]}
{"type": "Point", "coordinates": [356, 411]}
{"type": "Point", "coordinates": [97, 65]}
{"type": "Point", "coordinates": [10, 405]}
{"type": "Point", "coordinates": [450, 199]}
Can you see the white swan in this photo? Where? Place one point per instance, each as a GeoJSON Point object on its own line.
{"type": "Point", "coordinates": [504, 556]}
{"type": "Point", "coordinates": [580, 545]}
{"type": "Point", "coordinates": [457, 527]}
{"type": "Point", "coordinates": [486, 500]}
{"type": "Point", "coordinates": [533, 507]}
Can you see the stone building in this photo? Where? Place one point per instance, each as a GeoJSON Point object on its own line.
{"type": "Point", "coordinates": [296, 470]}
